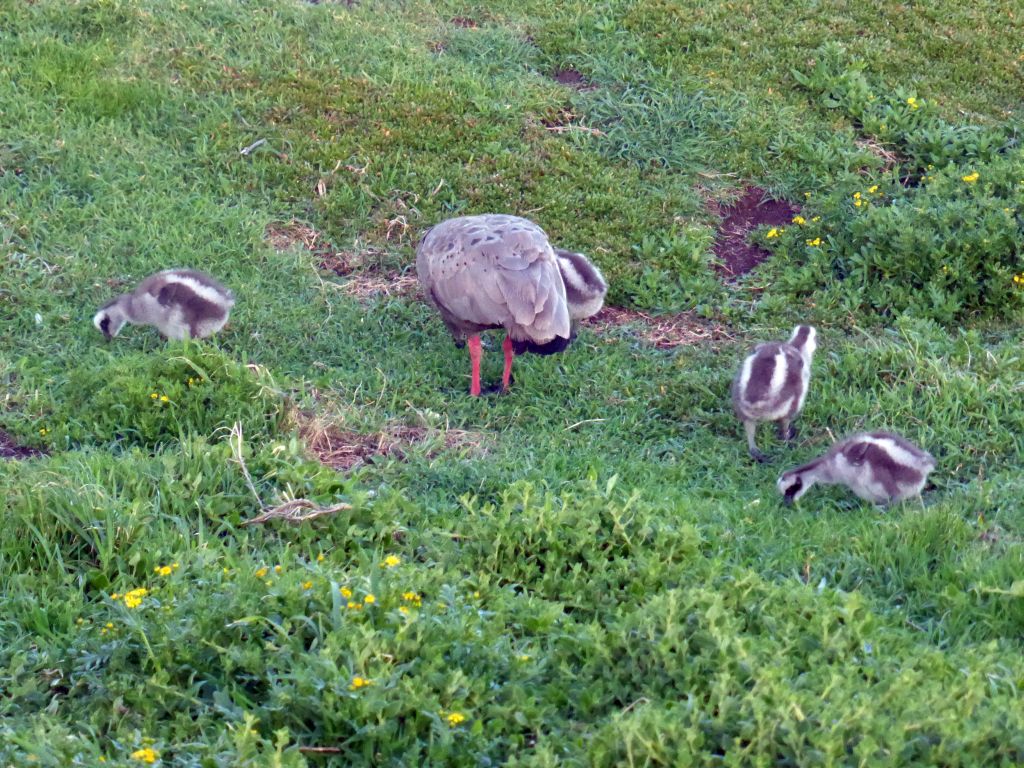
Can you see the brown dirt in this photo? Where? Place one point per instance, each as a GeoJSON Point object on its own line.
{"type": "Point", "coordinates": [754, 208]}
{"type": "Point", "coordinates": [12, 450]}
{"type": "Point", "coordinates": [463, 21]}
{"type": "Point", "coordinates": [571, 78]}
{"type": "Point", "coordinates": [364, 277]}
{"type": "Point", "coordinates": [344, 449]}
{"type": "Point", "coordinates": [663, 331]}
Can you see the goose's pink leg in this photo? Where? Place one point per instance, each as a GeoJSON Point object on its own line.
{"type": "Point", "coordinates": [507, 346]}
{"type": "Point", "coordinates": [474, 359]}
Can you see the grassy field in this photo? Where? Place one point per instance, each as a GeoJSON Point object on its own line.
{"type": "Point", "coordinates": [589, 570]}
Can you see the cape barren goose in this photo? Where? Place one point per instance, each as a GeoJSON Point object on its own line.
{"type": "Point", "coordinates": [179, 302]}
{"type": "Point", "coordinates": [879, 467]}
{"type": "Point", "coordinates": [498, 271]}
{"type": "Point", "coordinates": [772, 383]}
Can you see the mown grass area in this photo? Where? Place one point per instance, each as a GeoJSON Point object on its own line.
{"type": "Point", "coordinates": [594, 573]}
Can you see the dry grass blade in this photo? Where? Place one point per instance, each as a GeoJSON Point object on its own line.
{"type": "Point", "coordinates": [292, 512]}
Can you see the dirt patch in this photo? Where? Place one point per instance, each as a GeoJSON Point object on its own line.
{"type": "Point", "coordinates": [662, 331]}
{"type": "Point", "coordinates": [571, 78]}
{"type": "Point", "coordinates": [343, 449]}
{"type": "Point", "coordinates": [365, 275]}
{"type": "Point", "coordinates": [9, 449]}
{"type": "Point", "coordinates": [735, 254]}
{"type": "Point", "coordinates": [463, 21]}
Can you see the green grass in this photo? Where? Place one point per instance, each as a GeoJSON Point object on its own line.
{"type": "Point", "coordinates": [601, 576]}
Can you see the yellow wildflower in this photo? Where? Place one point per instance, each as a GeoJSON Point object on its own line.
{"type": "Point", "coordinates": [261, 573]}
{"type": "Point", "coordinates": [359, 682]}
{"type": "Point", "coordinates": [873, 188]}
{"type": "Point", "coordinates": [454, 718]}
{"type": "Point", "coordinates": [807, 195]}
{"type": "Point", "coordinates": [773, 232]}
{"type": "Point", "coordinates": [277, 569]}
{"type": "Point", "coordinates": [345, 592]}
{"type": "Point", "coordinates": [816, 218]}
{"type": "Point", "coordinates": [858, 203]}
{"type": "Point", "coordinates": [307, 585]}
{"type": "Point", "coordinates": [799, 220]}
{"type": "Point", "coordinates": [164, 399]}
{"type": "Point", "coordinates": [154, 395]}
{"type": "Point", "coordinates": [815, 242]}
{"type": "Point", "coordinates": [403, 609]}
{"type": "Point", "coordinates": [43, 431]}
{"type": "Point", "coordinates": [146, 755]}
{"type": "Point", "coordinates": [320, 557]}
{"type": "Point", "coordinates": [133, 599]}
{"type": "Point", "coordinates": [912, 103]}
{"type": "Point", "coordinates": [970, 178]}
{"type": "Point", "coordinates": [391, 561]}
{"type": "Point", "coordinates": [164, 570]}
{"type": "Point", "coordinates": [412, 597]}
{"type": "Point", "coordinates": [856, 195]}
{"type": "Point", "coordinates": [523, 657]}
{"type": "Point", "coordinates": [354, 606]}
{"type": "Point", "coordinates": [369, 599]}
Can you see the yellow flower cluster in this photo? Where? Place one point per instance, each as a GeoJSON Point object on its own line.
{"type": "Point", "coordinates": [774, 232]}
{"type": "Point", "coordinates": [970, 178]}
{"type": "Point", "coordinates": [1019, 279]}
{"type": "Point", "coordinates": [413, 597]}
{"type": "Point", "coordinates": [43, 431]}
{"type": "Point", "coordinates": [799, 220]}
{"type": "Point", "coordinates": [454, 718]}
{"type": "Point", "coordinates": [132, 599]}
{"type": "Point", "coordinates": [359, 682]}
{"type": "Point", "coordinates": [913, 103]}
{"type": "Point", "coordinates": [146, 755]}
{"type": "Point", "coordinates": [108, 627]}
{"type": "Point", "coordinates": [307, 585]}
{"type": "Point", "coordinates": [260, 573]}
{"type": "Point", "coordinates": [815, 242]}
{"type": "Point", "coordinates": [165, 570]}
{"type": "Point", "coordinates": [391, 561]}
{"type": "Point", "coordinates": [345, 592]}
{"type": "Point", "coordinates": [159, 398]}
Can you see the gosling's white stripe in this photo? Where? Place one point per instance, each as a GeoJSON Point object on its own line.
{"type": "Point", "coordinates": [748, 367]}
{"type": "Point", "coordinates": [571, 275]}
{"type": "Point", "coordinates": [207, 292]}
{"type": "Point", "coordinates": [778, 376]}
{"type": "Point", "coordinates": [898, 453]}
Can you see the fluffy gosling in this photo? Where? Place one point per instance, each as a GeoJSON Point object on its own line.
{"type": "Point", "coordinates": [181, 303]}
{"type": "Point", "coordinates": [771, 385]}
{"type": "Point", "coordinates": [879, 467]}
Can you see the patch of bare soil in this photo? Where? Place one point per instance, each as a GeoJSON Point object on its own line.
{"type": "Point", "coordinates": [9, 449]}
{"type": "Point", "coordinates": [572, 78]}
{"type": "Point", "coordinates": [463, 21]}
{"type": "Point", "coordinates": [365, 276]}
{"type": "Point", "coordinates": [736, 255]}
{"type": "Point", "coordinates": [663, 331]}
{"type": "Point", "coordinates": [343, 449]}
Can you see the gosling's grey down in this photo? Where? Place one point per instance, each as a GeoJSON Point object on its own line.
{"type": "Point", "coordinates": [500, 271]}
{"type": "Point", "coordinates": [771, 385]}
{"type": "Point", "coordinates": [181, 303]}
{"type": "Point", "coordinates": [879, 467]}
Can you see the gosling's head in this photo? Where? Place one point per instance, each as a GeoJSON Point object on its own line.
{"type": "Point", "coordinates": [111, 317]}
{"type": "Point", "coordinates": [805, 339]}
{"type": "Point", "coordinates": [584, 285]}
{"type": "Point", "coordinates": [792, 486]}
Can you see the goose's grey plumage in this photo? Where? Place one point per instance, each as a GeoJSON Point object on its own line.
{"type": "Point", "coordinates": [181, 303]}
{"type": "Point", "coordinates": [772, 384]}
{"type": "Point", "coordinates": [500, 271]}
{"type": "Point", "coordinates": [880, 467]}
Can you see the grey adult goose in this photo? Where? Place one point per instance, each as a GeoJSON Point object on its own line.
{"type": "Point", "coordinates": [181, 303]}
{"type": "Point", "coordinates": [500, 271]}
{"type": "Point", "coordinates": [879, 467]}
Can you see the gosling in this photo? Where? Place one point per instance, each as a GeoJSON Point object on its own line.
{"type": "Point", "coordinates": [181, 303]}
{"type": "Point", "coordinates": [771, 385]}
{"type": "Point", "coordinates": [879, 467]}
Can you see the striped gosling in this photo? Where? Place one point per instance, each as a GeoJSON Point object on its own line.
{"type": "Point", "coordinates": [179, 302]}
{"type": "Point", "coordinates": [879, 467]}
{"type": "Point", "coordinates": [772, 383]}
